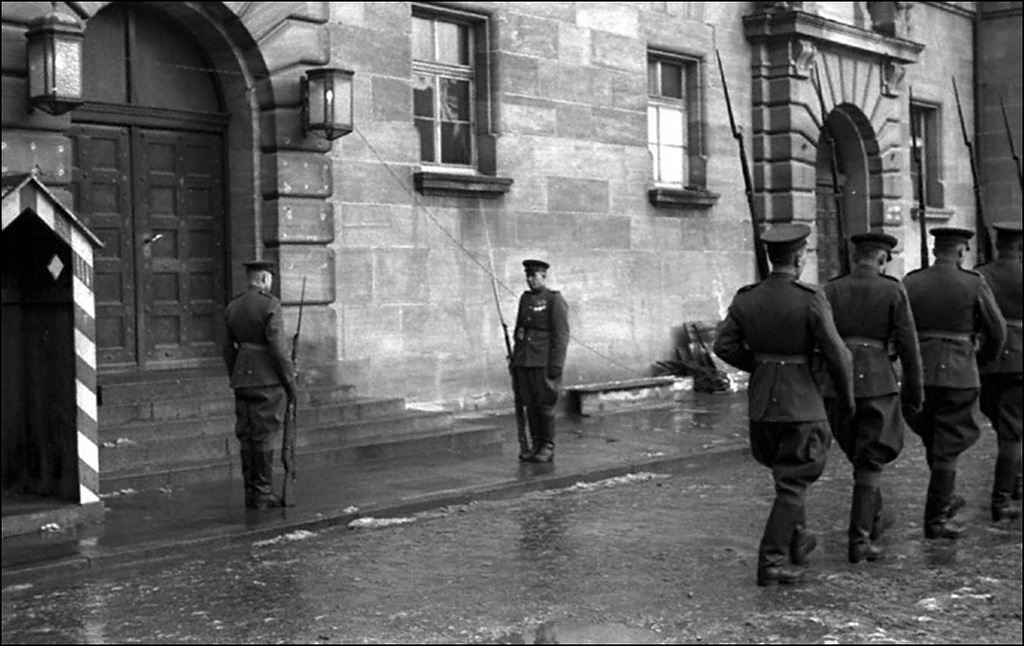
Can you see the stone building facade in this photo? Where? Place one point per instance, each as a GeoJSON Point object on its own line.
{"type": "Point", "coordinates": [594, 135]}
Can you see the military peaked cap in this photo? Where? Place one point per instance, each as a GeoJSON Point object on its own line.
{"type": "Point", "coordinates": [1008, 228]}
{"type": "Point", "coordinates": [259, 265]}
{"type": "Point", "coordinates": [533, 265]}
{"type": "Point", "coordinates": [946, 236]}
{"type": "Point", "coordinates": [873, 240]}
{"type": "Point", "coordinates": [786, 237]}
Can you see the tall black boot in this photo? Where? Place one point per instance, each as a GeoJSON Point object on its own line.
{"type": "Point", "coordinates": [862, 517]}
{"type": "Point", "coordinates": [1002, 490]}
{"type": "Point", "coordinates": [264, 480]}
{"type": "Point", "coordinates": [803, 542]}
{"type": "Point", "coordinates": [772, 566]}
{"type": "Point", "coordinates": [885, 517]}
{"type": "Point", "coordinates": [937, 521]}
{"type": "Point", "coordinates": [247, 477]}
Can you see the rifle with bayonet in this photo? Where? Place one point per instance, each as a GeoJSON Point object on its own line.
{"type": "Point", "coordinates": [759, 252]}
{"type": "Point", "coordinates": [984, 252]}
{"type": "Point", "coordinates": [837, 195]}
{"type": "Point", "coordinates": [291, 415]}
{"type": "Point", "coordinates": [517, 400]}
{"type": "Point", "coordinates": [1009, 139]}
{"type": "Point", "coordinates": [915, 147]}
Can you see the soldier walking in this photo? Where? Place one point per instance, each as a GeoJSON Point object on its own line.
{"type": "Point", "coordinates": [771, 331]}
{"type": "Point", "coordinates": [262, 377]}
{"type": "Point", "coordinates": [955, 312]}
{"type": "Point", "coordinates": [542, 340]}
{"type": "Point", "coordinates": [1001, 377]}
{"type": "Point", "coordinates": [872, 314]}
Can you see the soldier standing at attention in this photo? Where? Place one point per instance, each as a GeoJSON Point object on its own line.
{"type": "Point", "coordinates": [262, 377]}
{"type": "Point", "coordinates": [872, 313]}
{"type": "Point", "coordinates": [542, 339]}
{"type": "Point", "coordinates": [954, 311]}
{"type": "Point", "coordinates": [1001, 377]}
{"type": "Point", "coordinates": [771, 330]}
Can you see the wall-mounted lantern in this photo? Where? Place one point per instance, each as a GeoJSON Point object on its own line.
{"type": "Point", "coordinates": [55, 62]}
{"type": "Point", "coordinates": [327, 102]}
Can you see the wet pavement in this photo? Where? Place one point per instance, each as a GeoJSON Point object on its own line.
{"type": "Point", "coordinates": [653, 555]}
{"type": "Point", "coordinates": [171, 523]}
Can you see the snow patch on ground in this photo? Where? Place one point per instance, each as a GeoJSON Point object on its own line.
{"type": "Point", "coordinates": [370, 522]}
{"type": "Point", "coordinates": [298, 535]}
{"type": "Point", "coordinates": [629, 478]}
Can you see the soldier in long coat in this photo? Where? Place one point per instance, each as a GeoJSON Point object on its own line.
{"type": "Point", "coordinates": [1001, 377]}
{"type": "Point", "coordinates": [262, 377]}
{"type": "Point", "coordinates": [872, 313]}
{"type": "Point", "coordinates": [958, 326]}
{"type": "Point", "coordinates": [541, 343]}
{"type": "Point", "coordinates": [771, 331]}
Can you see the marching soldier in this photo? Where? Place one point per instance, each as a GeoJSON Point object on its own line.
{"type": "Point", "coordinates": [954, 312]}
{"type": "Point", "coordinates": [1001, 377]}
{"type": "Point", "coordinates": [262, 377]}
{"type": "Point", "coordinates": [771, 330]}
{"type": "Point", "coordinates": [872, 313]}
{"type": "Point", "coordinates": [542, 340]}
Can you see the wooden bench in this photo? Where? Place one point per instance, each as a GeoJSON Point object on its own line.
{"type": "Point", "coordinates": [598, 398]}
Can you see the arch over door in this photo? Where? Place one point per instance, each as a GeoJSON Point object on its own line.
{"type": "Point", "coordinates": [149, 178]}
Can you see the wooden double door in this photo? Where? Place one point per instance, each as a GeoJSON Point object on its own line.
{"type": "Point", "coordinates": [155, 197]}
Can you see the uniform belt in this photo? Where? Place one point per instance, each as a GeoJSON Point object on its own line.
{"type": "Point", "coordinates": [255, 347]}
{"type": "Point", "coordinates": [780, 358]}
{"type": "Point", "coordinates": [946, 336]}
{"type": "Point", "coordinates": [1014, 323]}
{"type": "Point", "coordinates": [864, 341]}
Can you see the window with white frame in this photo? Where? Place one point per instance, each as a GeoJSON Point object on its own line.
{"type": "Point", "coordinates": [926, 148]}
{"type": "Point", "coordinates": [673, 118]}
{"type": "Point", "coordinates": [444, 89]}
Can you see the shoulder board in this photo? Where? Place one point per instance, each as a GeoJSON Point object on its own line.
{"type": "Point", "coordinates": [970, 271]}
{"type": "Point", "coordinates": [915, 271]}
{"type": "Point", "coordinates": [888, 277]}
{"type": "Point", "coordinates": [554, 291]}
{"type": "Point", "coordinates": [747, 288]}
{"type": "Point", "coordinates": [808, 286]}
{"type": "Point", "coordinates": [237, 296]}
{"type": "Point", "coordinates": [835, 278]}
{"type": "Point", "coordinates": [984, 264]}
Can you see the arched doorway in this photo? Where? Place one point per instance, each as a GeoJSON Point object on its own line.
{"type": "Point", "coordinates": [149, 178]}
{"type": "Point", "coordinates": [856, 162]}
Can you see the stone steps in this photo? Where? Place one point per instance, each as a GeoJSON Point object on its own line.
{"type": "Point", "coordinates": [466, 441]}
{"type": "Point", "coordinates": [177, 428]}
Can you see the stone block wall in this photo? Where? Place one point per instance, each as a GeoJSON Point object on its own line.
{"type": "Point", "coordinates": [415, 309]}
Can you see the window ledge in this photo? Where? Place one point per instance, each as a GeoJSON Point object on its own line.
{"type": "Point", "coordinates": [461, 185]}
{"type": "Point", "coordinates": [932, 214]}
{"type": "Point", "coordinates": [693, 198]}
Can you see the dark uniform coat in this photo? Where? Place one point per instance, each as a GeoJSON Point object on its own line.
{"type": "Point", "coordinates": [872, 314]}
{"type": "Point", "coordinates": [255, 353]}
{"type": "Point", "coordinates": [958, 325]}
{"type": "Point", "coordinates": [542, 330]}
{"type": "Point", "coordinates": [771, 331]}
{"type": "Point", "coordinates": [1001, 377]}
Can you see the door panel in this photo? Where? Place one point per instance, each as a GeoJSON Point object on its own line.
{"type": "Point", "coordinates": [155, 198]}
{"type": "Point", "coordinates": [180, 212]}
{"type": "Point", "coordinates": [102, 197]}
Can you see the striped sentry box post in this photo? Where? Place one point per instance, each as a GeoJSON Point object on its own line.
{"type": "Point", "coordinates": [25, 193]}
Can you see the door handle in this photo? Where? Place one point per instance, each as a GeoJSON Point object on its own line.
{"type": "Point", "coordinates": [150, 239]}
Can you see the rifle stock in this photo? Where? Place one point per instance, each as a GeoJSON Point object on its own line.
{"type": "Point", "coordinates": [760, 255]}
{"type": "Point", "coordinates": [984, 250]}
{"type": "Point", "coordinates": [915, 146]}
{"type": "Point", "coordinates": [291, 415]}
{"type": "Point", "coordinates": [837, 196]}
